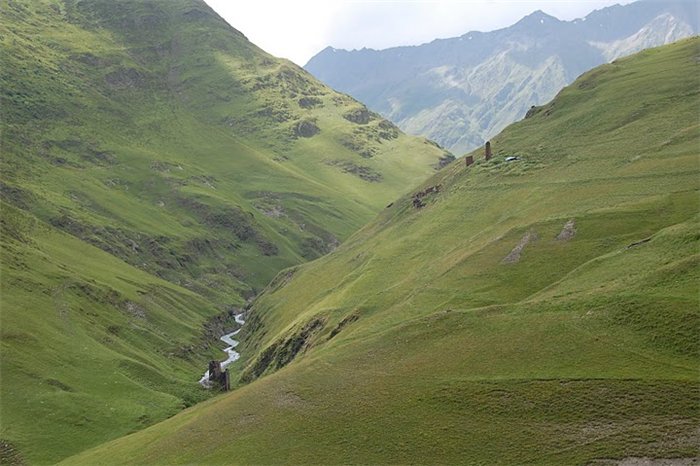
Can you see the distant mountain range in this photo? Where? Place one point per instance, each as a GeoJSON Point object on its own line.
{"type": "Point", "coordinates": [461, 91]}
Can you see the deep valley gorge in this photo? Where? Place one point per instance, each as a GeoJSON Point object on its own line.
{"type": "Point", "coordinates": [211, 255]}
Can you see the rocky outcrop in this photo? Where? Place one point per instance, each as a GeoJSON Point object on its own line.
{"type": "Point", "coordinates": [568, 231]}
{"type": "Point", "coordinates": [310, 102]}
{"type": "Point", "coordinates": [445, 160]}
{"type": "Point", "coordinates": [514, 255]}
{"type": "Point", "coordinates": [285, 350]}
{"type": "Point", "coordinates": [9, 454]}
{"type": "Point", "coordinates": [361, 171]}
{"type": "Point", "coordinates": [343, 323]}
{"type": "Point", "coordinates": [306, 129]}
{"type": "Point", "coordinates": [361, 115]}
{"type": "Point", "coordinates": [420, 195]}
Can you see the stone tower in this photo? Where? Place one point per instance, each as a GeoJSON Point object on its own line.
{"type": "Point", "coordinates": [487, 150]}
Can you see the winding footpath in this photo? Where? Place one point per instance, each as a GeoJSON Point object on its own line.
{"type": "Point", "coordinates": [233, 355]}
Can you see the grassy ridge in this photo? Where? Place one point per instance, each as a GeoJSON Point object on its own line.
{"type": "Point", "coordinates": [158, 170]}
{"type": "Point", "coordinates": [423, 339]}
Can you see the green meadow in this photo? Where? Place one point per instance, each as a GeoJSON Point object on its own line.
{"type": "Point", "coordinates": [538, 311]}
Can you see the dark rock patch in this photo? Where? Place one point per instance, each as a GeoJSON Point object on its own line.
{"type": "Point", "coordinates": [16, 196]}
{"type": "Point", "coordinates": [293, 345]}
{"type": "Point", "coordinates": [532, 111]}
{"type": "Point", "coordinates": [267, 248]}
{"type": "Point", "coordinates": [60, 385]}
{"type": "Point", "coordinates": [288, 82]}
{"type": "Point", "coordinates": [280, 280]}
{"type": "Point", "coordinates": [88, 151]}
{"type": "Point", "coordinates": [208, 247]}
{"type": "Point", "coordinates": [418, 197]}
{"type": "Point", "coordinates": [275, 111]}
{"type": "Point", "coordinates": [284, 350]}
{"type": "Point", "coordinates": [9, 454]}
{"type": "Point", "coordinates": [360, 116]}
{"type": "Point", "coordinates": [388, 130]}
{"type": "Point", "coordinates": [342, 324]}
{"type": "Point", "coordinates": [361, 171]}
{"type": "Point", "coordinates": [232, 220]}
{"type": "Point", "coordinates": [310, 102]}
{"type": "Point", "coordinates": [445, 160]}
{"type": "Point", "coordinates": [306, 129]}
{"type": "Point", "coordinates": [358, 145]}
{"type": "Point", "coordinates": [314, 247]}
{"type": "Point", "coordinates": [153, 254]}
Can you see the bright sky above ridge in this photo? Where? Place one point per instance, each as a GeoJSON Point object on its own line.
{"type": "Point", "coordinates": [298, 29]}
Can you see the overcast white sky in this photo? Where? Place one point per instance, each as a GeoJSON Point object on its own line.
{"type": "Point", "coordinates": [298, 29]}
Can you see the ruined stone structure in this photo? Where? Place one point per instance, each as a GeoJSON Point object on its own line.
{"type": "Point", "coordinates": [219, 378]}
{"type": "Point", "coordinates": [417, 197]}
{"type": "Point", "coordinates": [487, 150]}
{"type": "Point", "coordinates": [468, 160]}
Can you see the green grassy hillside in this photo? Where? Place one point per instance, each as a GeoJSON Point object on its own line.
{"type": "Point", "coordinates": [157, 132]}
{"type": "Point", "coordinates": [157, 171]}
{"type": "Point", "coordinates": [543, 310]}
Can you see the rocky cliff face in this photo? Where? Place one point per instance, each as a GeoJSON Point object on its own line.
{"type": "Point", "coordinates": [462, 91]}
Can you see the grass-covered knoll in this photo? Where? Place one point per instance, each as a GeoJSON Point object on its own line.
{"type": "Point", "coordinates": [157, 169]}
{"type": "Point", "coordinates": [538, 311]}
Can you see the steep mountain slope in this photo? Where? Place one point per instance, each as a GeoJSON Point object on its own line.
{"type": "Point", "coordinates": [542, 310]}
{"type": "Point", "coordinates": [157, 170]}
{"type": "Point", "coordinates": [464, 90]}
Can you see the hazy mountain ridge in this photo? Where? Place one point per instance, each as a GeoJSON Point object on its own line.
{"type": "Point", "coordinates": [461, 91]}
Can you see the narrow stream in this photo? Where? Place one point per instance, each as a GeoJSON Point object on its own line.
{"type": "Point", "coordinates": [233, 355]}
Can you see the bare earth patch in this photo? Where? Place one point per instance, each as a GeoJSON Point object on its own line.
{"type": "Point", "coordinates": [568, 231]}
{"type": "Point", "coordinates": [514, 255]}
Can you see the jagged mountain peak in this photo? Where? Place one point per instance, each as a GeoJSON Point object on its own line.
{"type": "Point", "coordinates": [537, 17]}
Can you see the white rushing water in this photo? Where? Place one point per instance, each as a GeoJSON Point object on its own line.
{"type": "Point", "coordinates": [233, 355]}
